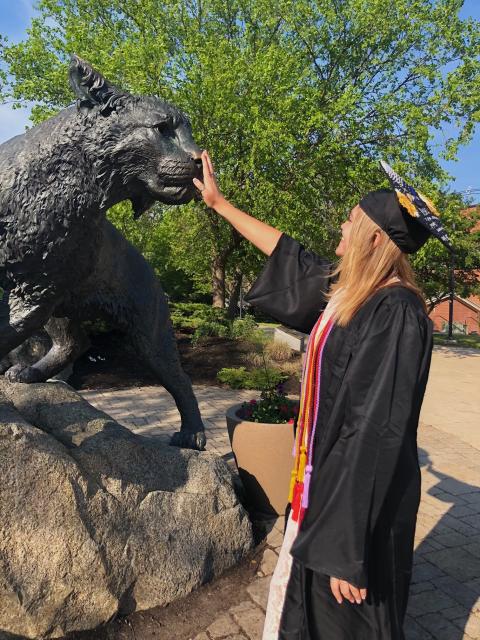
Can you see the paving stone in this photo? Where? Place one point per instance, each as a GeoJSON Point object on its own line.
{"type": "Point", "coordinates": [453, 539]}
{"type": "Point", "coordinates": [459, 526]}
{"type": "Point", "coordinates": [474, 585]}
{"type": "Point", "coordinates": [419, 587]}
{"type": "Point", "coordinates": [429, 542]}
{"type": "Point", "coordinates": [222, 627]}
{"type": "Point", "coordinates": [274, 538]}
{"type": "Point", "coordinates": [425, 546]}
{"type": "Point", "coordinates": [429, 602]}
{"type": "Point", "coordinates": [429, 508]}
{"type": "Point", "coordinates": [448, 497]}
{"type": "Point", "coordinates": [451, 633]}
{"type": "Point", "coordinates": [458, 591]}
{"type": "Point", "coordinates": [202, 636]}
{"type": "Point", "coordinates": [473, 520]}
{"type": "Point", "coordinates": [436, 624]}
{"type": "Point", "coordinates": [425, 571]}
{"type": "Point", "coordinates": [251, 622]}
{"type": "Point", "coordinates": [413, 631]}
{"type": "Point", "coordinates": [452, 613]}
{"type": "Point", "coordinates": [472, 499]}
{"type": "Point", "coordinates": [242, 607]}
{"type": "Point", "coordinates": [459, 564]}
{"type": "Point", "coordinates": [472, 627]}
{"type": "Point", "coordinates": [258, 591]}
{"type": "Point", "coordinates": [269, 562]}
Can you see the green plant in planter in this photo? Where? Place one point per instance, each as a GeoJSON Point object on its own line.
{"type": "Point", "coordinates": [273, 407]}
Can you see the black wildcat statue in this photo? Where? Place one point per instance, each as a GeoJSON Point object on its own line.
{"type": "Point", "coordinates": [61, 261]}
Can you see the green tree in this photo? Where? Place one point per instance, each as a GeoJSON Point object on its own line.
{"type": "Point", "coordinates": [296, 100]}
{"type": "Point", "coordinates": [433, 265]}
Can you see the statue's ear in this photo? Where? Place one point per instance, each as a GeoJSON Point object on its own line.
{"type": "Point", "coordinates": [90, 87]}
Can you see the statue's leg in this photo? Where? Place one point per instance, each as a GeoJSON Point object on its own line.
{"type": "Point", "coordinates": [133, 297]}
{"type": "Point", "coordinates": [153, 339]}
{"type": "Point", "coordinates": [69, 341]}
{"type": "Point", "coordinates": [19, 319]}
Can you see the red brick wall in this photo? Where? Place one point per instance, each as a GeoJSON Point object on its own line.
{"type": "Point", "coordinates": [461, 314]}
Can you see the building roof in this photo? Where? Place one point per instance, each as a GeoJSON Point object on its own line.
{"type": "Point", "coordinates": [472, 303]}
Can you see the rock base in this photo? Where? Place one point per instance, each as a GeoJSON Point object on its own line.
{"type": "Point", "coordinates": [97, 521]}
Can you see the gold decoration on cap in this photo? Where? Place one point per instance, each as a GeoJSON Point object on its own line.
{"type": "Point", "coordinates": [406, 203]}
{"type": "Point", "coordinates": [429, 204]}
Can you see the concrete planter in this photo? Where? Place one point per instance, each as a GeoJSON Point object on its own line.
{"type": "Point", "coordinates": [295, 339]}
{"type": "Point", "coordinates": [263, 453]}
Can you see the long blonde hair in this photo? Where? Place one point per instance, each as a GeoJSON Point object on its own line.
{"type": "Point", "coordinates": [364, 268]}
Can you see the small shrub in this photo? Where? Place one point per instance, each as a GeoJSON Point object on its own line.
{"type": "Point", "coordinates": [207, 328]}
{"type": "Point", "coordinates": [184, 323]}
{"type": "Point", "coordinates": [254, 359]}
{"type": "Point", "coordinates": [235, 377]}
{"type": "Point", "coordinates": [240, 378]}
{"type": "Point", "coordinates": [245, 328]}
{"type": "Point", "coordinates": [190, 315]}
{"type": "Point", "coordinates": [278, 351]}
{"type": "Point", "coordinates": [293, 368]}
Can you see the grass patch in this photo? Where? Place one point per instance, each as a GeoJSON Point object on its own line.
{"type": "Point", "coordinates": [471, 341]}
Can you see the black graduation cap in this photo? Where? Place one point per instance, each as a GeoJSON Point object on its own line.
{"type": "Point", "coordinates": [407, 217]}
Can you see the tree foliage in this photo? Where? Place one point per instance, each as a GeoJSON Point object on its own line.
{"type": "Point", "coordinates": [295, 99]}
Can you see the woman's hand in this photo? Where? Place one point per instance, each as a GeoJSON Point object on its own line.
{"type": "Point", "coordinates": [211, 194]}
{"type": "Point", "coordinates": [262, 235]}
{"type": "Point", "coordinates": [343, 589]}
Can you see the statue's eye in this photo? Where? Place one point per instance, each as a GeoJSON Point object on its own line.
{"type": "Point", "coordinates": [164, 126]}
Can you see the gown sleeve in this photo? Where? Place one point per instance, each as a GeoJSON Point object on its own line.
{"type": "Point", "coordinates": [292, 285]}
{"type": "Point", "coordinates": [385, 385]}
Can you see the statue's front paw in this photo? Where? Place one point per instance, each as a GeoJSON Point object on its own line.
{"type": "Point", "coordinates": [19, 373]}
{"type": "Point", "coordinates": [189, 440]}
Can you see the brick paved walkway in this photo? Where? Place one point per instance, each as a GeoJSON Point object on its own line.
{"type": "Point", "coordinates": [445, 594]}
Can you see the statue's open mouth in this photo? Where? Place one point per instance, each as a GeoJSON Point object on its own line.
{"type": "Point", "coordinates": [172, 189]}
{"type": "Point", "coordinates": [176, 193]}
{"type": "Point", "coordinates": [181, 181]}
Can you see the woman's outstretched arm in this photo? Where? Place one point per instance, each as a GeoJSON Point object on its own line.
{"type": "Point", "coordinates": [263, 236]}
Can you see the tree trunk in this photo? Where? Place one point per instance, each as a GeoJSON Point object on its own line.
{"type": "Point", "coordinates": [219, 264]}
{"type": "Point", "coordinates": [218, 282]}
{"type": "Point", "coordinates": [234, 295]}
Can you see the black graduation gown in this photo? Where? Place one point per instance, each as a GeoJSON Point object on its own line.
{"type": "Point", "coordinates": [365, 486]}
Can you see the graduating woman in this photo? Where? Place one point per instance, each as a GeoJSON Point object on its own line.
{"type": "Point", "coordinates": [345, 565]}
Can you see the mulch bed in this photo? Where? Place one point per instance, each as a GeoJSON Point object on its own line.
{"type": "Point", "coordinates": [108, 364]}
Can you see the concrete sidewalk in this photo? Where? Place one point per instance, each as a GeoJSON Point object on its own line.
{"type": "Point", "coordinates": [445, 594]}
{"type": "Point", "coordinates": [452, 400]}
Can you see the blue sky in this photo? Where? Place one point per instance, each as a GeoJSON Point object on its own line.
{"type": "Point", "coordinates": [16, 15]}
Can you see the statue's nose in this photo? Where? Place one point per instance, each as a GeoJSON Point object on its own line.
{"type": "Point", "coordinates": [197, 159]}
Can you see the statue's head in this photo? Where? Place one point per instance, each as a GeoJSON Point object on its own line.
{"type": "Point", "coordinates": [145, 146]}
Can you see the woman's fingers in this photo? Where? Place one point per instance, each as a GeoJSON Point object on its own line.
{"type": "Point", "coordinates": [208, 186]}
{"type": "Point", "coordinates": [335, 587]}
{"type": "Point", "coordinates": [343, 589]}
{"type": "Point", "coordinates": [356, 594]}
{"type": "Point", "coordinates": [206, 169]}
{"type": "Point", "coordinates": [199, 184]}
{"type": "Point", "coordinates": [209, 164]}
